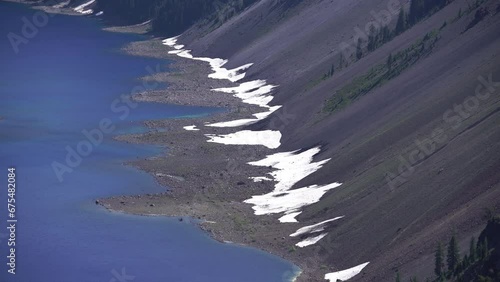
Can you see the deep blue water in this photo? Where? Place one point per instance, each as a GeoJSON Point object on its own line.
{"type": "Point", "coordinates": [62, 81]}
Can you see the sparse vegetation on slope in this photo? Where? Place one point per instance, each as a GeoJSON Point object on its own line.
{"type": "Point", "coordinates": [419, 10]}
{"type": "Point", "coordinates": [381, 73]}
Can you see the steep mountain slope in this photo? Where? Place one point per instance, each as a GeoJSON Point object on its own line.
{"type": "Point", "coordinates": [378, 136]}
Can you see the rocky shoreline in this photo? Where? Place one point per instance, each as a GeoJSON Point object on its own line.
{"type": "Point", "coordinates": [208, 181]}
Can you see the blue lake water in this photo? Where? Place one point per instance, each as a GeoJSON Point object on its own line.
{"type": "Point", "coordinates": [65, 79]}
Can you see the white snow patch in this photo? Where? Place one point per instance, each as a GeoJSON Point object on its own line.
{"type": "Point", "coordinates": [288, 201]}
{"type": "Point", "coordinates": [174, 51]}
{"type": "Point", "coordinates": [170, 41]}
{"type": "Point", "coordinates": [244, 122]}
{"type": "Point", "coordinates": [264, 115]}
{"type": "Point", "coordinates": [232, 75]}
{"type": "Point", "coordinates": [216, 64]}
{"type": "Point", "coordinates": [347, 274]}
{"type": "Point", "coordinates": [318, 227]}
{"type": "Point", "coordinates": [219, 72]}
{"type": "Point", "coordinates": [234, 123]}
{"type": "Point", "coordinates": [256, 93]}
{"type": "Point", "coordinates": [291, 167]}
{"type": "Point", "coordinates": [100, 13]}
{"type": "Point", "coordinates": [191, 128]}
{"type": "Point", "coordinates": [81, 9]}
{"type": "Point", "coordinates": [185, 54]}
{"type": "Point", "coordinates": [251, 92]}
{"type": "Point", "coordinates": [260, 178]}
{"type": "Point", "coordinates": [289, 217]}
{"type": "Point", "coordinates": [311, 240]}
{"type": "Point", "coordinates": [86, 12]}
{"type": "Point", "coordinates": [269, 138]}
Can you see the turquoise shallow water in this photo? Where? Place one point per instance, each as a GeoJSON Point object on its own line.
{"type": "Point", "coordinates": [64, 80]}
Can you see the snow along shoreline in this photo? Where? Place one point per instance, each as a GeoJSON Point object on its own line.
{"type": "Point", "coordinates": [81, 9]}
{"type": "Point", "coordinates": [290, 167]}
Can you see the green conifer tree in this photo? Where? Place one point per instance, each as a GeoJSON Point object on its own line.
{"type": "Point", "coordinates": [438, 263]}
{"type": "Point", "coordinates": [359, 49]}
{"type": "Point", "coordinates": [390, 60]}
{"type": "Point", "coordinates": [398, 277]}
{"type": "Point", "coordinates": [401, 24]}
{"type": "Point", "coordinates": [472, 250]}
{"type": "Point", "coordinates": [453, 257]}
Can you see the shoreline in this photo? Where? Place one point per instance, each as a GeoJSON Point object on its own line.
{"type": "Point", "coordinates": [208, 181]}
